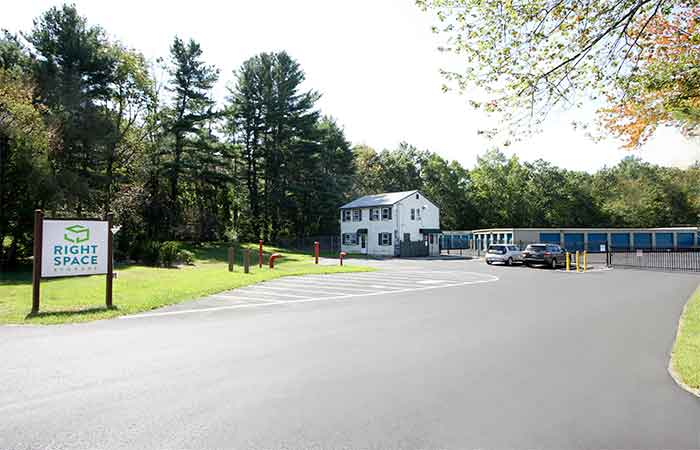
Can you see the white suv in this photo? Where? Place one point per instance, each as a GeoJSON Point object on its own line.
{"type": "Point", "coordinates": [504, 253]}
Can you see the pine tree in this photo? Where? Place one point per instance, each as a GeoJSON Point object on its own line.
{"type": "Point", "coordinates": [191, 83]}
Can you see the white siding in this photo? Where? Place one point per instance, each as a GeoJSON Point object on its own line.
{"type": "Point", "coordinates": [399, 224]}
{"type": "Point", "coordinates": [374, 227]}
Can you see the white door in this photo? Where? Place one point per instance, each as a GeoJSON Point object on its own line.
{"type": "Point", "coordinates": [363, 243]}
{"type": "Point", "coordinates": [433, 245]}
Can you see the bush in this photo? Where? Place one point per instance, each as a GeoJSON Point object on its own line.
{"type": "Point", "coordinates": [185, 257]}
{"type": "Point", "coordinates": [169, 253]}
{"type": "Point", "coordinates": [147, 252]}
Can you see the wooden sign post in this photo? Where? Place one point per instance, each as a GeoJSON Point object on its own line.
{"type": "Point", "coordinates": [231, 258]}
{"type": "Point", "coordinates": [36, 274]}
{"type": "Point", "coordinates": [71, 247]}
{"type": "Point", "coordinates": [110, 261]}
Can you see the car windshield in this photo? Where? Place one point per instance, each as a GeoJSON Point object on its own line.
{"type": "Point", "coordinates": [498, 249]}
{"type": "Point", "coordinates": [536, 248]}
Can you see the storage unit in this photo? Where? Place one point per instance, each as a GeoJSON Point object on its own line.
{"type": "Point", "coordinates": [664, 240]}
{"type": "Point", "coordinates": [591, 239]}
{"type": "Point", "coordinates": [595, 240]}
{"type": "Point", "coordinates": [574, 241]}
{"type": "Point", "coordinates": [620, 240]}
{"type": "Point", "coordinates": [642, 240]}
{"type": "Point", "coordinates": [550, 238]}
{"type": "Point", "coordinates": [685, 240]}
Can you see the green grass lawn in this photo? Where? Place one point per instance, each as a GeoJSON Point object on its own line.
{"type": "Point", "coordinates": [141, 288]}
{"type": "Point", "coordinates": [686, 351]}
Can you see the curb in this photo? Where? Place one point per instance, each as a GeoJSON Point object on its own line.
{"type": "Point", "coordinates": [671, 371]}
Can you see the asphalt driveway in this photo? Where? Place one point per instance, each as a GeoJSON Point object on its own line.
{"type": "Point", "coordinates": [523, 358]}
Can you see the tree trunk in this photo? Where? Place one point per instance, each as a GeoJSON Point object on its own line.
{"type": "Point", "coordinates": [4, 157]}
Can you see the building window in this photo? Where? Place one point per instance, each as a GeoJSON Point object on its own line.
{"type": "Point", "coordinates": [374, 214]}
{"type": "Point", "coordinates": [346, 215]}
{"type": "Point", "coordinates": [384, 239]}
{"type": "Point", "coordinates": [413, 214]}
{"type": "Point", "coordinates": [349, 239]}
{"type": "Point", "coordinates": [386, 213]}
{"type": "Point", "coordinates": [357, 215]}
{"type": "Point", "coordinates": [418, 213]}
{"type": "Point", "coordinates": [417, 197]}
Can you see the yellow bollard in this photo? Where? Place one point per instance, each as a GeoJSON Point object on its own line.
{"type": "Point", "coordinates": [568, 262]}
{"type": "Point", "coordinates": [585, 254]}
{"type": "Point", "coordinates": [578, 267]}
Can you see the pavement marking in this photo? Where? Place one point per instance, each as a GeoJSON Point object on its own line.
{"type": "Point", "coordinates": [335, 284]}
{"type": "Point", "coordinates": [432, 281]}
{"type": "Point", "coordinates": [491, 278]}
{"type": "Point", "coordinates": [263, 288]}
{"type": "Point", "coordinates": [320, 286]}
{"type": "Point", "coordinates": [240, 297]}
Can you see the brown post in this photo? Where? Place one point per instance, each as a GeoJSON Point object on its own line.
{"type": "Point", "coordinates": [316, 251]}
{"type": "Point", "coordinates": [246, 261]}
{"type": "Point", "coordinates": [261, 253]}
{"type": "Point", "coordinates": [36, 274]}
{"type": "Point", "coordinates": [110, 261]}
{"type": "Point", "coordinates": [230, 259]}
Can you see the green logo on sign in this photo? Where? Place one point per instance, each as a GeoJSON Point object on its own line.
{"type": "Point", "coordinates": [77, 234]}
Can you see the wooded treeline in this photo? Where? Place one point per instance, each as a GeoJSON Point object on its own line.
{"type": "Point", "coordinates": [90, 126]}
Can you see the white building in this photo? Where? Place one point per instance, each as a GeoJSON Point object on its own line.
{"type": "Point", "coordinates": [391, 224]}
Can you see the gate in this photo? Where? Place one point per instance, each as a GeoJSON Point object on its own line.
{"type": "Point", "coordinates": [682, 259]}
{"type": "Point", "coordinates": [413, 248]}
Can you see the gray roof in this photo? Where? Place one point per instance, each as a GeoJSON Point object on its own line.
{"type": "Point", "coordinates": [386, 199]}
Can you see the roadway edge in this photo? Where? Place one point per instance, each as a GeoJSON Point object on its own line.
{"type": "Point", "coordinates": [671, 370]}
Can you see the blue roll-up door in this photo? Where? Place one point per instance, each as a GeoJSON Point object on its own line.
{"type": "Point", "coordinates": [620, 241]}
{"type": "Point", "coordinates": [642, 240]}
{"type": "Point", "coordinates": [664, 240]}
{"type": "Point", "coordinates": [595, 240]}
{"type": "Point", "coordinates": [549, 238]}
{"type": "Point", "coordinates": [685, 240]}
{"type": "Point", "coordinates": [573, 241]}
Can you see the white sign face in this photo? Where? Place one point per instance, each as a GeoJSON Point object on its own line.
{"type": "Point", "coordinates": [74, 247]}
{"type": "Point", "coordinates": [602, 247]}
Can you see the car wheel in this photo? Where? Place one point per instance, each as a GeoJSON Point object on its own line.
{"type": "Point", "coordinates": [528, 264]}
{"type": "Point", "coordinates": [510, 261]}
{"type": "Point", "coordinates": [554, 263]}
{"type": "Point", "coordinates": [488, 262]}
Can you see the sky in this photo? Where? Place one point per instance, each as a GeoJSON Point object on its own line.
{"type": "Point", "coordinates": [375, 62]}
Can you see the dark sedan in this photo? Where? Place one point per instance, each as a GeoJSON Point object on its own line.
{"type": "Point", "coordinates": [550, 255]}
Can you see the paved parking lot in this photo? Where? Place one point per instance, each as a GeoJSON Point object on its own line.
{"type": "Point", "coordinates": [394, 276]}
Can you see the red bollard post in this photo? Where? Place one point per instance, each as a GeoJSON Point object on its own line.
{"type": "Point", "coordinates": [261, 256]}
{"type": "Point", "coordinates": [316, 251]}
{"type": "Point", "coordinates": [342, 255]}
{"type": "Point", "coordinates": [272, 259]}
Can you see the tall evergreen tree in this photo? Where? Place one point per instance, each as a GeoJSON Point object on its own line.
{"type": "Point", "coordinates": [191, 81]}
{"type": "Point", "coordinates": [74, 71]}
{"type": "Point", "coordinates": [273, 122]}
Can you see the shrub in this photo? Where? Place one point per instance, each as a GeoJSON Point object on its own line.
{"type": "Point", "coordinates": [185, 257]}
{"type": "Point", "coordinates": [147, 252]}
{"type": "Point", "coordinates": [169, 252]}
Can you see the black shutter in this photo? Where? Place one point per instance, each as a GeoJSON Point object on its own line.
{"type": "Point", "coordinates": [379, 238]}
